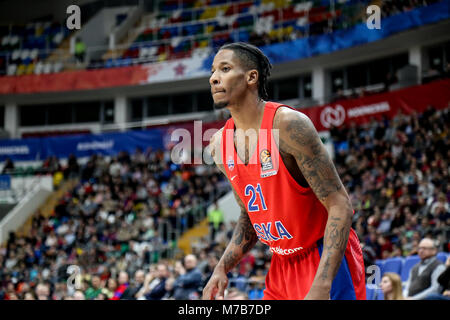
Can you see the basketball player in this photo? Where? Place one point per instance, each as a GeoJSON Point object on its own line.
{"type": "Point", "coordinates": [289, 192]}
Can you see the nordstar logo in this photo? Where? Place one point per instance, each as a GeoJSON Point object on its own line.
{"type": "Point", "coordinates": [332, 116]}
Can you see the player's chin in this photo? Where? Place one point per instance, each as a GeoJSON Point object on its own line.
{"type": "Point", "coordinates": [220, 104]}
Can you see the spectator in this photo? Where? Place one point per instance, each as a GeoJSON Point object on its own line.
{"type": "Point", "coordinates": [29, 296]}
{"type": "Point", "coordinates": [8, 167]}
{"type": "Point", "coordinates": [213, 260]}
{"type": "Point", "coordinates": [444, 281]}
{"type": "Point", "coordinates": [43, 291]}
{"type": "Point", "coordinates": [169, 287]}
{"type": "Point", "coordinates": [95, 289]}
{"type": "Point", "coordinates": [188, 285]}
{"type": "Point", "coordinates": [440, 205]}
{"type": "Point", "coordinates": [215, 219]}
{"type": "Point", "coordinates": [110, 288]}
{"type": "Point", "coordinates": [139, 278]}
{"type": "Point", "coordinates": [422, 280]}
{"type": "Point", "coordinates": [158, 290]}
{"type": "Point", "coordinates": [80, 50]}
{"type": "Point", "coordinates": [123, 286]}
{"type": "Point", "coordinates": [235, 294]}
{"type": "Point", "coordinates": [391, 285]}
{"type": "Point", "coordinates": [73, 168]}
{"type": "Point", "coordinates": [78, 295]}
{"type": "Point", "coordinates": [101, 296]}
{"type": "Point", "coordinates": [397, 202]}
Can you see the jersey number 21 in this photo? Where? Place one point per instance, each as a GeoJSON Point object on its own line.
{"type": "Point", "coordinates": [250, 190]}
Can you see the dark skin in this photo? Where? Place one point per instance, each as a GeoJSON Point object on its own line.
{"type": "Point", "coordinates": [303, 154]}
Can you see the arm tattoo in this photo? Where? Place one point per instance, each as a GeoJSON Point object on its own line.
{"type": "Point", "coordinates": [302, 141]}
{"type": "Point", "coordinates": [244, 234]}
{"type": "Point", "coordinates": [335, 236]}
{"type": "Point", "coordinates": [243, 239]}
{"type": "Point", "coordinates": [230, 260]}
{"type": "Point", "coordinates": [324, 274]}
{"type": "Point", "coordinates": [335, 239]}
{"type": "Point", "coordinates": [299, 138]}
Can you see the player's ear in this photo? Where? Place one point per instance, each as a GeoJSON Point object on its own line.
{"type": "Point", "coordinates": [252, 76]}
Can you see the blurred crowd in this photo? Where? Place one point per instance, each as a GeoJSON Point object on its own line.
{"type": "Point", "coordinates": [117, 226]}
{"type": "Point", "coordinates": [397, 175]}
{"type": "Point", "coordinates": [124, 215]}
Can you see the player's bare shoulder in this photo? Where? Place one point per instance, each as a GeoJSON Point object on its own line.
{"type": "Point", "coordinates": [295, 129]}
{"type": "Point", "coordinates": [299, 137]}
{"type": "Point", "coordinates": [214, 147]}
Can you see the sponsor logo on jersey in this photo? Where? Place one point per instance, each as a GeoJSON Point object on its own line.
{"type": "Point", "coordinates": [285, 252]}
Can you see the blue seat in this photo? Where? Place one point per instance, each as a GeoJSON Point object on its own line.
{"type": "Point", "coordinates": [409, 262]}
{"type": "Point", "coordinates": [369, 293]}
{"type": "Point", "coordinates": [393, 265]}
{"type": "Point", "coordinates": [379, 294]}
{"type": "Point", "coordinates": [442, 256]}
{"type": "Point", "coordinates": [380, 264]}
{"type": "Point", "coordinates": [241, 283]}
{"type": "Point", "coordinates": [374, 294]}
{"type": "Point", "coordinates": [255, 294]}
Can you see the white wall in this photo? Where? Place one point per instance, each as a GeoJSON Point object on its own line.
{"type": "Point", "coordinates": [21, 186]}
{"type": "Point", "coordinates": [11, 123]}
{"type": "Point", "coordinates": [24, 209]}
{"type": "Point", "coordinates": [95, 33]}
{"type": "Point", "coordinates": [229, 207]}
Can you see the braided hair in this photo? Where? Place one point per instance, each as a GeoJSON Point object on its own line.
{"type": "Point", "coordinates": [253, 58]}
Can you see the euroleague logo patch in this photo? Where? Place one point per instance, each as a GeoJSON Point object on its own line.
{"type": "Point", "coordinates": [267, 169]}
{"type": "Point", "coordinates": [266, 160]}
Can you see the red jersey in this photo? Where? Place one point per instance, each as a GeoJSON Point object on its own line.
{"type": "Point", "coordinates": [285, 215]}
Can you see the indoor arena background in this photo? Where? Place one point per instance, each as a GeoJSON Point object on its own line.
{"type": "Point", "coordinates": [92, 203]}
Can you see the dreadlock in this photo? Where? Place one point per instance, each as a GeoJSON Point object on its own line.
{"type": "Point", "coordinates": [253, 58]}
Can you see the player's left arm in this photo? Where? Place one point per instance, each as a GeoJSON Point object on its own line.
{"type": "Point", "coordinates": [299, 138]}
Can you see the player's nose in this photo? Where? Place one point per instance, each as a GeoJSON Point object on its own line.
{"type": "Point", "coordinates": [214, 79]}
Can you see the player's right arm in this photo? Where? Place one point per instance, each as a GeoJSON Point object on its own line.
{"type": "Point", "coordinates": [243, 239]}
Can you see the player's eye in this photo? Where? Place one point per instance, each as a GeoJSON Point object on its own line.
{"type": "Point", "coordinates": [226, 69]}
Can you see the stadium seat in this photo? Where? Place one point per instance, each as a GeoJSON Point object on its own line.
{"type": "Point", "coordinates": [5, 41]}
{"type": "Point", "coordinates": [30, 68]}
{"type": "Point", "coordinates": [39, 68]}
{"type": "Point", "coordinates": [255, 294]}
{"type": "Point", "coordinates": [373, 293]}
{"type": "Point", "coordinates": [12, 67]}
{"type": "Point", "coordinates": [409, 262]}
{"type": "Point", "coordinates": [47, 68]}
{"type": "Point", "coordinates": [392, 265]}
{"type": "Point", "coordinates": [380, 264]}
{"type": "Point", "coordinates": [15, 56]}
{"type": "Point", "coordinates": [57, 39]}
{"type": "Point", "coordinates": [379, 294]}
{"type": "Point", "coordinates": [57, 66]}
{"type": "Point", "coordinates": [369, 293]}
{"type": "Point", "coordinates": [442, 256]}
{"type": "Point", "coordinates": [14, 41]}
{"type": "Point", "coordinates": [34, 53]}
